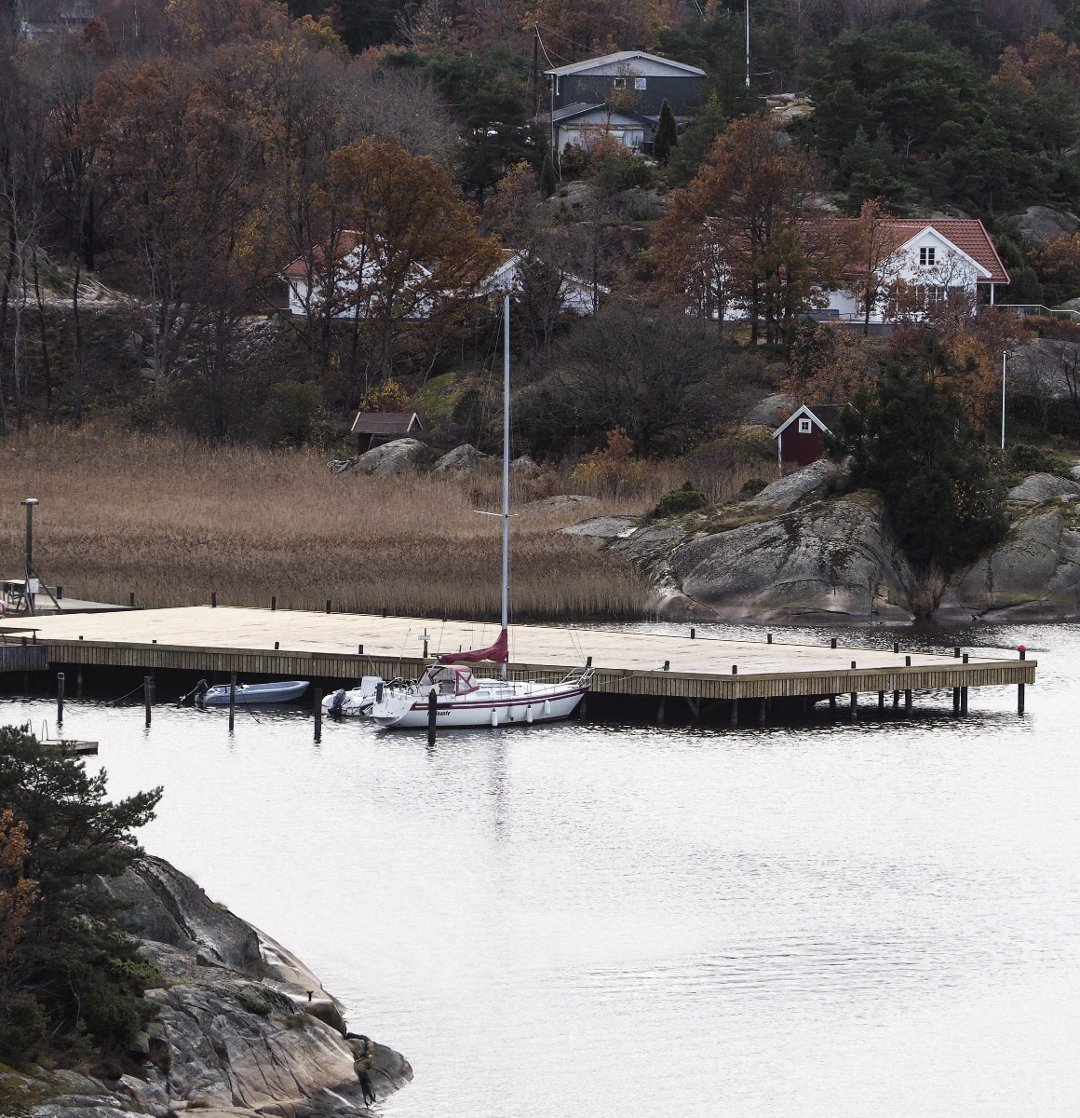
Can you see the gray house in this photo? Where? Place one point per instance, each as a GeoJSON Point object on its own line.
{"type": "Point", "coordinates": [620, 94]}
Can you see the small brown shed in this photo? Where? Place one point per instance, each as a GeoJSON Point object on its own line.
{"type": "Point", "coordinates": [373, 428]}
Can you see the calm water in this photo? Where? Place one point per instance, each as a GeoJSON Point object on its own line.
{"type": "Point", "coordinates": [869, 919]}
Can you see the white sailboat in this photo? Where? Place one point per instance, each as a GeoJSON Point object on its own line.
{"type": "Point", "coordinates": [463, 699]}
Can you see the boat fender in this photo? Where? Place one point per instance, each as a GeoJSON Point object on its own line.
{"type": "Point", "coordinates": [547, 706]}
{"type": "Point", "coordinates": [494, 717]}
{"type": "Point", "coordinates": [378, 692]}
{"type": "Point", "coordinates": [528, 715]}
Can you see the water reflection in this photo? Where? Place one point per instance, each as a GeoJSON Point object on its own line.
{"type": "Point", "coordinates": [851, 918]}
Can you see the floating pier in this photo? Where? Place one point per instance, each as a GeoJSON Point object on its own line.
{"type": "Point", "coordinates": [658, 667]}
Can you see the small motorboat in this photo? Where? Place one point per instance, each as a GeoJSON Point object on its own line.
{"type": "Point", "coordinates": [354, 702]}
{"type": "Point", "coordinates": [247, 694]}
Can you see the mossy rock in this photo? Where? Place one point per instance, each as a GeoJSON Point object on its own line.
{"type": "Point", "coordinates": [678, 502]}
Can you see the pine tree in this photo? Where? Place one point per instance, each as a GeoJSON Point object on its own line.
{"type": "Point", "coordinates": [547, 175]}
{"type": "Point", "coordinates": [71, 971]}
{"type": "Point", "coordinates": [667, 134]}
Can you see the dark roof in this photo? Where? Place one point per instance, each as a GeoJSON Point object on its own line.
{"type": "Point", "coordinates": [385, 422]}
{"type": "Point", "coordinates": [825, 414]}
{"type": "Point", "coordinates": [624, 58]}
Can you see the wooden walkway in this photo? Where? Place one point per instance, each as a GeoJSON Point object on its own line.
{"type": "Point", "coordinates": [303, 645]}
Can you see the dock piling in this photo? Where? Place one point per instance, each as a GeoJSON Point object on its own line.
{"type": "Point", "coordinates": [1022, 649]}
{"type": "Point", "coordinates": [273, 601]}
{"type": "Point", "coordinates": [317, 711]}
{"type": "Point", "coordinates": [148, 695]}
{"type": "Point", "coordinates": [432, 715]}
{"type": "Point", "coordinates": [59, 698]}
{"type": "Point", "coordinates": [232, 701]}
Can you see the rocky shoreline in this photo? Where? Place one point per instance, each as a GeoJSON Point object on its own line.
{"type": "Point", "coordinates": [242, 1026]}
{"type": "Point", "coordinates": [804, 552]}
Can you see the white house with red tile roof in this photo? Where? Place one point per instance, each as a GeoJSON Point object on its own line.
{"type": "Point", "coordinates": [576, 296]}
{"type": "Point", "coordinates": [343, 276]}
{"type": "Point", "coordinates": [345, 273]}
{"type": "Point", "coordinates": [926, 261]}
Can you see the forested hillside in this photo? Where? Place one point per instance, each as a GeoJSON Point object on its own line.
{"type": "Point", "coordinates": [161, 166]}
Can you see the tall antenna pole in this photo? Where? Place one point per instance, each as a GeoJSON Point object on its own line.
{"type": "Point", "coordinates": [747, 44]}
{"type": "Point", "coordinates": [506, 475]}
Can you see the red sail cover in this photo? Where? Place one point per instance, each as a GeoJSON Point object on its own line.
{"type": "Point", "coordinates": [497, 652]}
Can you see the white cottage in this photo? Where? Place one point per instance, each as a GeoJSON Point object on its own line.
{"type": "Point", "coordinates": [925, 261]}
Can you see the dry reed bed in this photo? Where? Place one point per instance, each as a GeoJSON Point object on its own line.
{"type": "Point", "coordinates": [171, 520]}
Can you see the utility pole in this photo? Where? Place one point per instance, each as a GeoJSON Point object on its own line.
{"type": "Point", "coordinates": [747, 44]}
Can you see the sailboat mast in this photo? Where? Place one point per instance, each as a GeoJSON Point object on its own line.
{"type": "Point", "coordinates": [506, 475]}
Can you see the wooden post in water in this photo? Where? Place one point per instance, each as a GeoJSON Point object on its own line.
{"type": "Point", "coordinates": [881, 702]}
{"type": "Point", "coordinates": [432, 715]}
{"type": "Point", "coordinates": [854, 705]}
{"type": "Point", "coordinates": [763, 710]}
{"type": "Point", "coordinates": [907, 703]}
{"type": "Point", "coordinates": [956, 701]}
{"type": "Point", "coordinates": [213, 599]}
{"type": "Point", "coordinates": [59, 698]}
{"type": "Point", "coordinates": [273, 601]}
{"type": "Point", "coordinates": [148, 695]}
{"type": "Point", "coordinates": [963, 700]}
{"type": "Point", "coordinates": [317, 711]}
{"type": "Point", "coordinates": [734, 714]}
{"type": "Point", "coordinates": [1022, 649]}
{"type": "Point", "coordinates": [232, 701]}
{"type": "Point", "coordinates": [895, 699]}
{"type": "Point", "coordinates": [78, 682]}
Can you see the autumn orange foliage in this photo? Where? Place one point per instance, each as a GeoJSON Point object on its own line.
{"type": "Point", "coordinates": [17, 893]}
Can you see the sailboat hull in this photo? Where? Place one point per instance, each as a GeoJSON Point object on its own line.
{"type": "Point", "coordinates": [502, 705]}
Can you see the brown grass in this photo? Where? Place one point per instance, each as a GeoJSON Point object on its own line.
{"type": "Point", "coordinates": [171, 520]}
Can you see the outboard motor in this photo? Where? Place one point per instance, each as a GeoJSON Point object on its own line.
{"type": "Point", "coordinates": [338, 701]}
{"type": "Point", "coordinates": [379, 691]}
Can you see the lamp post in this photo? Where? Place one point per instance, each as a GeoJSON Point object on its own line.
{"type": "Point", "coordinates": [1004, 364]}
{"type": "Point", "coordinates": [29, 502]}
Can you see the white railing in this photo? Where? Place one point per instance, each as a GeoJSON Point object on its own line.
{"type": "Point", "coordinates": [1026, 309]}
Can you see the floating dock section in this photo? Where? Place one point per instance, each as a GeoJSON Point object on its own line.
{"type": "Point", "coordinates": [661, 666]}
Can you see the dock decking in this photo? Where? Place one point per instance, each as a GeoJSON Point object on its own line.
{"type": "Point", "coordinates": [300, 644]}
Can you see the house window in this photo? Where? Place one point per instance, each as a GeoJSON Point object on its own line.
{"type": "Point", "coordinates": [928, 296]}
{"type": "Point", "coordinates": [639, 83]}
{"type": "Point", "coordinates": [804, 426]}
{"type": "Point", "coordinates": [618, 83]}
{"type": "Point", "coordinates": [926, 257]}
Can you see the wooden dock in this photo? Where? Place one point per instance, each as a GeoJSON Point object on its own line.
{"type": "Point", "coordinates": [344, 647]}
